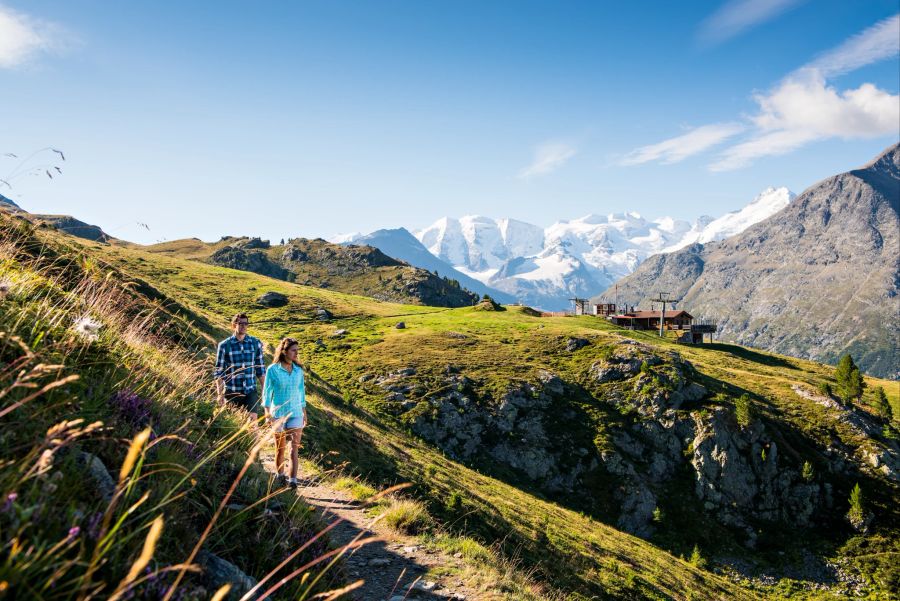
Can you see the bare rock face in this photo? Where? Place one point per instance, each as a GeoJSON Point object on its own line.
{"type": "Point", "coordinates": [512, 430]}
{"type": "Point", "coordinates": [839, 239]}
{"type": "Point", "coordinates": [738, 474]}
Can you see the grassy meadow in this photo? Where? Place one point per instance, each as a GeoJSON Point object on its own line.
{"type": "Point", "coordinates": [156, 341]}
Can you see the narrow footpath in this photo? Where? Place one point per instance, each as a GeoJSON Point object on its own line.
{"type": "Point", "coordinates": [397, 568]}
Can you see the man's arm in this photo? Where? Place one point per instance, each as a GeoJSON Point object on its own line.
{"type": "Point", "coordinates": [219, 374]}
{"type": "Point", "coordinates": [259, 364]}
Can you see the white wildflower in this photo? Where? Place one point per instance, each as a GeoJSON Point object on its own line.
{"type": "Point", "coordinates": [87, 327]}
{"type": "Point", "coordinates": [5, 287]}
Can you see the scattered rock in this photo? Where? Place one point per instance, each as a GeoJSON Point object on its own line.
{"type": "Point", "coordinates": [401, 325]}
{"type": "Point", "coordinates": [218, 571]}
{"type": "Point", "coordinates": [323, 314]}
{"type": "Point", "coordinates": [573, 344]}
{"type": "Point", "coordinates": [379, 562]}
{"type": "Point", "coordinates": [272, 299]}
{"type": "Point", "coordinates": [98, 474]}
{"type": "Point", "coordinates": [339, 333]}
{"type": "Point", "coordinates": [365, 378]}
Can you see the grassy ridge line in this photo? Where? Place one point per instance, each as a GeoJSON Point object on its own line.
{"type": "Point", "coordinates": [602, 559]}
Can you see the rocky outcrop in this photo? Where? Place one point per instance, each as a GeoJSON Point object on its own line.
{"type": "Point", "coordinates": [511, 431]}
{"type": "Point", "coordinates": [248, 259]}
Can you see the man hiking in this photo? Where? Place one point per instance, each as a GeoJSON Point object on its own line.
{"type": "Point", "coordinates": [239, 362]}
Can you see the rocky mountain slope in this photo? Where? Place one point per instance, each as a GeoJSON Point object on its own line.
{"type": "Point", "coordinates": [354, 269]}
{"type": "Point", "coordinates": [64, 223]}
{"type": "Point", "coordinates": [400, 244]}
{"type": "Point", "coordinates": [818, 279]}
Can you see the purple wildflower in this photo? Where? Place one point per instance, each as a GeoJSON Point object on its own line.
{"type": "Point", "coordinates": [73, 532]}
{"type": "Point", "coordinates": [10, 499]}
{"type": "Point", "coordinates": [93, 526]}
{"type": "Point", "coordinates": [132, 408]}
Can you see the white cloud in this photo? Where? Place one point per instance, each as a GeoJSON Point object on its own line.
{"type": "Point", "coordinates": [737, 15]}
{"type": "Point", "coordinates": [878, 42]}
{"type": "Point", "coordinates": [803, 109]}
{"type": "Point", "coordinates": [22, 37]}
{"type": "Point", "coordinates": [681, 147]}
{"type": "Point", "coordinates": [548, 158]}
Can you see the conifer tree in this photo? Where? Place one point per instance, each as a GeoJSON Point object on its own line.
{"type": "Point", "coordinates": [850, 382]}
{"type": "Point", "coordinates": [881, 405]}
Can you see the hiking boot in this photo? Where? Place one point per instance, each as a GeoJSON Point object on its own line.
{"type": "Point", "coordinates": [293, 482]}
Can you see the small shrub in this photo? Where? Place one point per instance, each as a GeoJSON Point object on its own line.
{"type": "Point", "coordinates": [658, 515]}
{"type": "Point", "coordinates": [857, 511]}
{"type": "Point", "coordinates": [807, 472]}
{"type": "Point", "coordinates": [825, 389]}
{"type": "Point", "coordinates": [697, 560]}
{"type": "Point", "coordinates": [743, 411]}
{"type": "Point", "coordinates": [454, 502]}
{"type": "Point", "coordinates": [645, 367]}
{"type": "Point", "coordinates": [430, 471]}
{"type": "Point", "coordinates": [406, 516]}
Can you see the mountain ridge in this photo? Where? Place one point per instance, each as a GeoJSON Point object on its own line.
{"type": "Point", "coordinates": [792, 283]}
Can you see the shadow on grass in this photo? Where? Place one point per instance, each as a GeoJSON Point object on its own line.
{"type": "Point", "coordinates": [750, 355]}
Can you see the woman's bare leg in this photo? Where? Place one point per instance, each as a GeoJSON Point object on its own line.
{"type": "Point", "coordinates": [295, 452]}
{"type": "Point", "coordinates": [279, 451]}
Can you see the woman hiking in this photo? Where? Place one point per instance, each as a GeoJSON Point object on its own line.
{"type": "Point", "coordinates": [284, 400]}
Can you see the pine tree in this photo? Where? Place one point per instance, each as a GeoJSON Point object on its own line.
{"type": "Point", "coordinates": [857, 512]}
{"type": "Point", "coordinates": [881, 405]}
{"type": "Point", "coordinates": [697, 559]}
{"type": "Point", "coordinates": [849, 379]}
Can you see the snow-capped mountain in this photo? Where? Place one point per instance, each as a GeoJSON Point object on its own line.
{"type": "Point", "coordinates": [544, 267]}
{"type": "Point", "coordinates": [769, 202]}
{"type": "Point", "coordinates": [478, 246]}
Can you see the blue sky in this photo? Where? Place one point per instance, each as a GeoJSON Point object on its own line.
{"type": "Point", "coordinates": [285, 119]}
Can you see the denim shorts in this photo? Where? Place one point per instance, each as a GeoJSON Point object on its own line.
{"type": "Point", "coordinates": [292, 423]}
{"type": "Point", "coordinates": [244, 400]}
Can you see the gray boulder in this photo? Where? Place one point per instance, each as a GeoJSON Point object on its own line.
{"type": "Point", "coordinates": [218, 571]}
{"type": "Point", "coordinates": [272, 299]}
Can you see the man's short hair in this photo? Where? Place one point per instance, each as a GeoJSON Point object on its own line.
{"type": "Point", "coordinates": [235, 319]}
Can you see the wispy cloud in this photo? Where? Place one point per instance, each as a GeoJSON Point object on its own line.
{"type": "Point", "coordinates": [878, 42]}
{"type": "Point", "coordinates": [803, 109]}
{"type": "Point", "coordinates": [800, 109]}
{"type": "Point", "coordinates": [737, 16]}
{"type": "Point", "coordinates": [23, 37]}
{"type": "Point", "coordinates": [548, 157]}
{"type": "Point", "coordinates": [681, 147]}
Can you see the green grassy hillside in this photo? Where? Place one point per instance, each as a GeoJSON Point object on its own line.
{"type": "Point", "coordinates": [353, 269]}
{"type": "Point", "coordinates": [552, 435]}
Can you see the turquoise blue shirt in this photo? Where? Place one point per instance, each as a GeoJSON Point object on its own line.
{"type": "Point", "coordinates": [284, 393]}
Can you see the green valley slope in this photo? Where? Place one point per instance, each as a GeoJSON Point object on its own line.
{"type": "Point", "coordinates": [633, 432]}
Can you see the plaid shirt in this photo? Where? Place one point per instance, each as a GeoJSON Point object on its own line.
{"type": "Point", "coordinates": [239, 363]}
